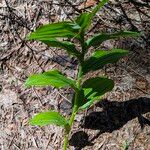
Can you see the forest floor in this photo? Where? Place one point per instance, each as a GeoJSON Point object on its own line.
{"type": "Point", "coordinates": [121, 121]}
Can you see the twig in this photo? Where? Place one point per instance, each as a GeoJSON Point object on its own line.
{"type": "Point", "coordinates": [76, 9]}
{"type": "Point", "coordinates": [134, 28]}
{"type": "Point", "coordinates": [63, 97]}
{"type": "Point", "coordinates": [9, 145]}
{"type": "Point", "coordinates": [14, 18]}
{"type": "Point", "coordinates": [140, 4]}
{"type": "Point", "coordinates": [140, 11]}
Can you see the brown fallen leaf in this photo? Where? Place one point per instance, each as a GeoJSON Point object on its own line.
{"type": "Point", "coordinates": [88, 3]}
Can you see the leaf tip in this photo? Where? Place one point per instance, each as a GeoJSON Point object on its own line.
{"type": "Point", "coordinates": [27, 83]}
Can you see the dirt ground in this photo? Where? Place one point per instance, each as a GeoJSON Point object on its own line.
{"type": "Point", "coordinates": [121, 121]}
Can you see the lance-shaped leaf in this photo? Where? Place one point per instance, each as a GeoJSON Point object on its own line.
{"type": "Point", "coordinates": [95, 88]}
{"type": "Point", "coordinates": [51, 78]}
{"type": "Point", "coordinates": [100, 58]}
{"type": "Point", "coordinates": [68, 46]}
{"type": "Point", "coordinates": [54, 30]}
{"type": "Point", "coordinates": [79, 97]}
{"type": "Point", "coordinates": [84, 20]}
{"type": "Point", "coordinates": [98, 7]}
{"type": "Point", "coordinates": [99, 38]}
{"type": "Point", "coordinates": [47, 118]}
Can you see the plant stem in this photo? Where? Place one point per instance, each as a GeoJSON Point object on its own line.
{"type": "Point", "coordinates": [77, 92]}
{"type": "Point", "coordinates": [65, 141]}
{"type": "Point", "coordinates": [75, 109]}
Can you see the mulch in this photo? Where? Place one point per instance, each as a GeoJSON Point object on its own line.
{"type": "Point", "coordinates": [120, 121]}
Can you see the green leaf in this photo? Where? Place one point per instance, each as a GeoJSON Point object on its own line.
{"type": "Point", "coordinates": [55, 30]}
{"type": "Point", "coordinates": [98, 7]}
{"type": "Point", "coordinates": [80, 100]}
{"type": "Point", "coordinates": [70, 47]}
{"type": "Point", "coordinates": [83, 20]}
{"type": "Point", "coordinates": [47, 118]}
{"type": "Point", "coordinates": [99, 38]}
{"type": "Point", "coordinates": [100, 58]}
{"type": "Point", "coordinates": [51, 78]}
{"type": "Point", "coordinates": [95, 88]}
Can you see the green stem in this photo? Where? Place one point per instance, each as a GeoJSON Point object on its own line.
{"type": "Point", "coordinates": [75, 109]}
{"type": "Point", "coordinates": [77, 92]}
{"type": "Point", "coordinates": [66, 141]}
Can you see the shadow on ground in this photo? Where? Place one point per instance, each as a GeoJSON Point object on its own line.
{"type": "Point", "coordinates": [112, 117]}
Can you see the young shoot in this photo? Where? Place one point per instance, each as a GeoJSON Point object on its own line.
{"type": "Point", "coordinates": [86, 92]}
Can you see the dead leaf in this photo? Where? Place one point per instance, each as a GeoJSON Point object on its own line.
{"type": "Point", "coordinates": [88, 3]}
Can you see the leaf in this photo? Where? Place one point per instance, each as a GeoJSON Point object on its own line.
{"type": "Point", "coordinates": [94, 88]}
{"type": "Point", "coordinates": [99, 38]}
{"type": "Point", "coordinates": [98, 86]}
{"type": "Point", "coordinates": [98, 7]}
{"type": "Point", "coordinates": [54, 30]}
{"type": "Point", "coordinates": [80, 100]}
{"type": "Point", "coordinates": [70, 47]}
{"type": "Point", "coordinates": [83, 20]}
{"type": "Point", "coordinates": [47, 118]}
{"type": "Point", "coordinates": [87, 4]}
{"type": "Point", "coordinates": [100, 58]}
{"type": "Point", "coordinates": [51, 78]}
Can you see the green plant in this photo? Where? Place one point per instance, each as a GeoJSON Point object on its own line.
{"type": "Point", "coordinates": [125, 145]}
{"type": "Point", "coordinates": [86, 92]}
